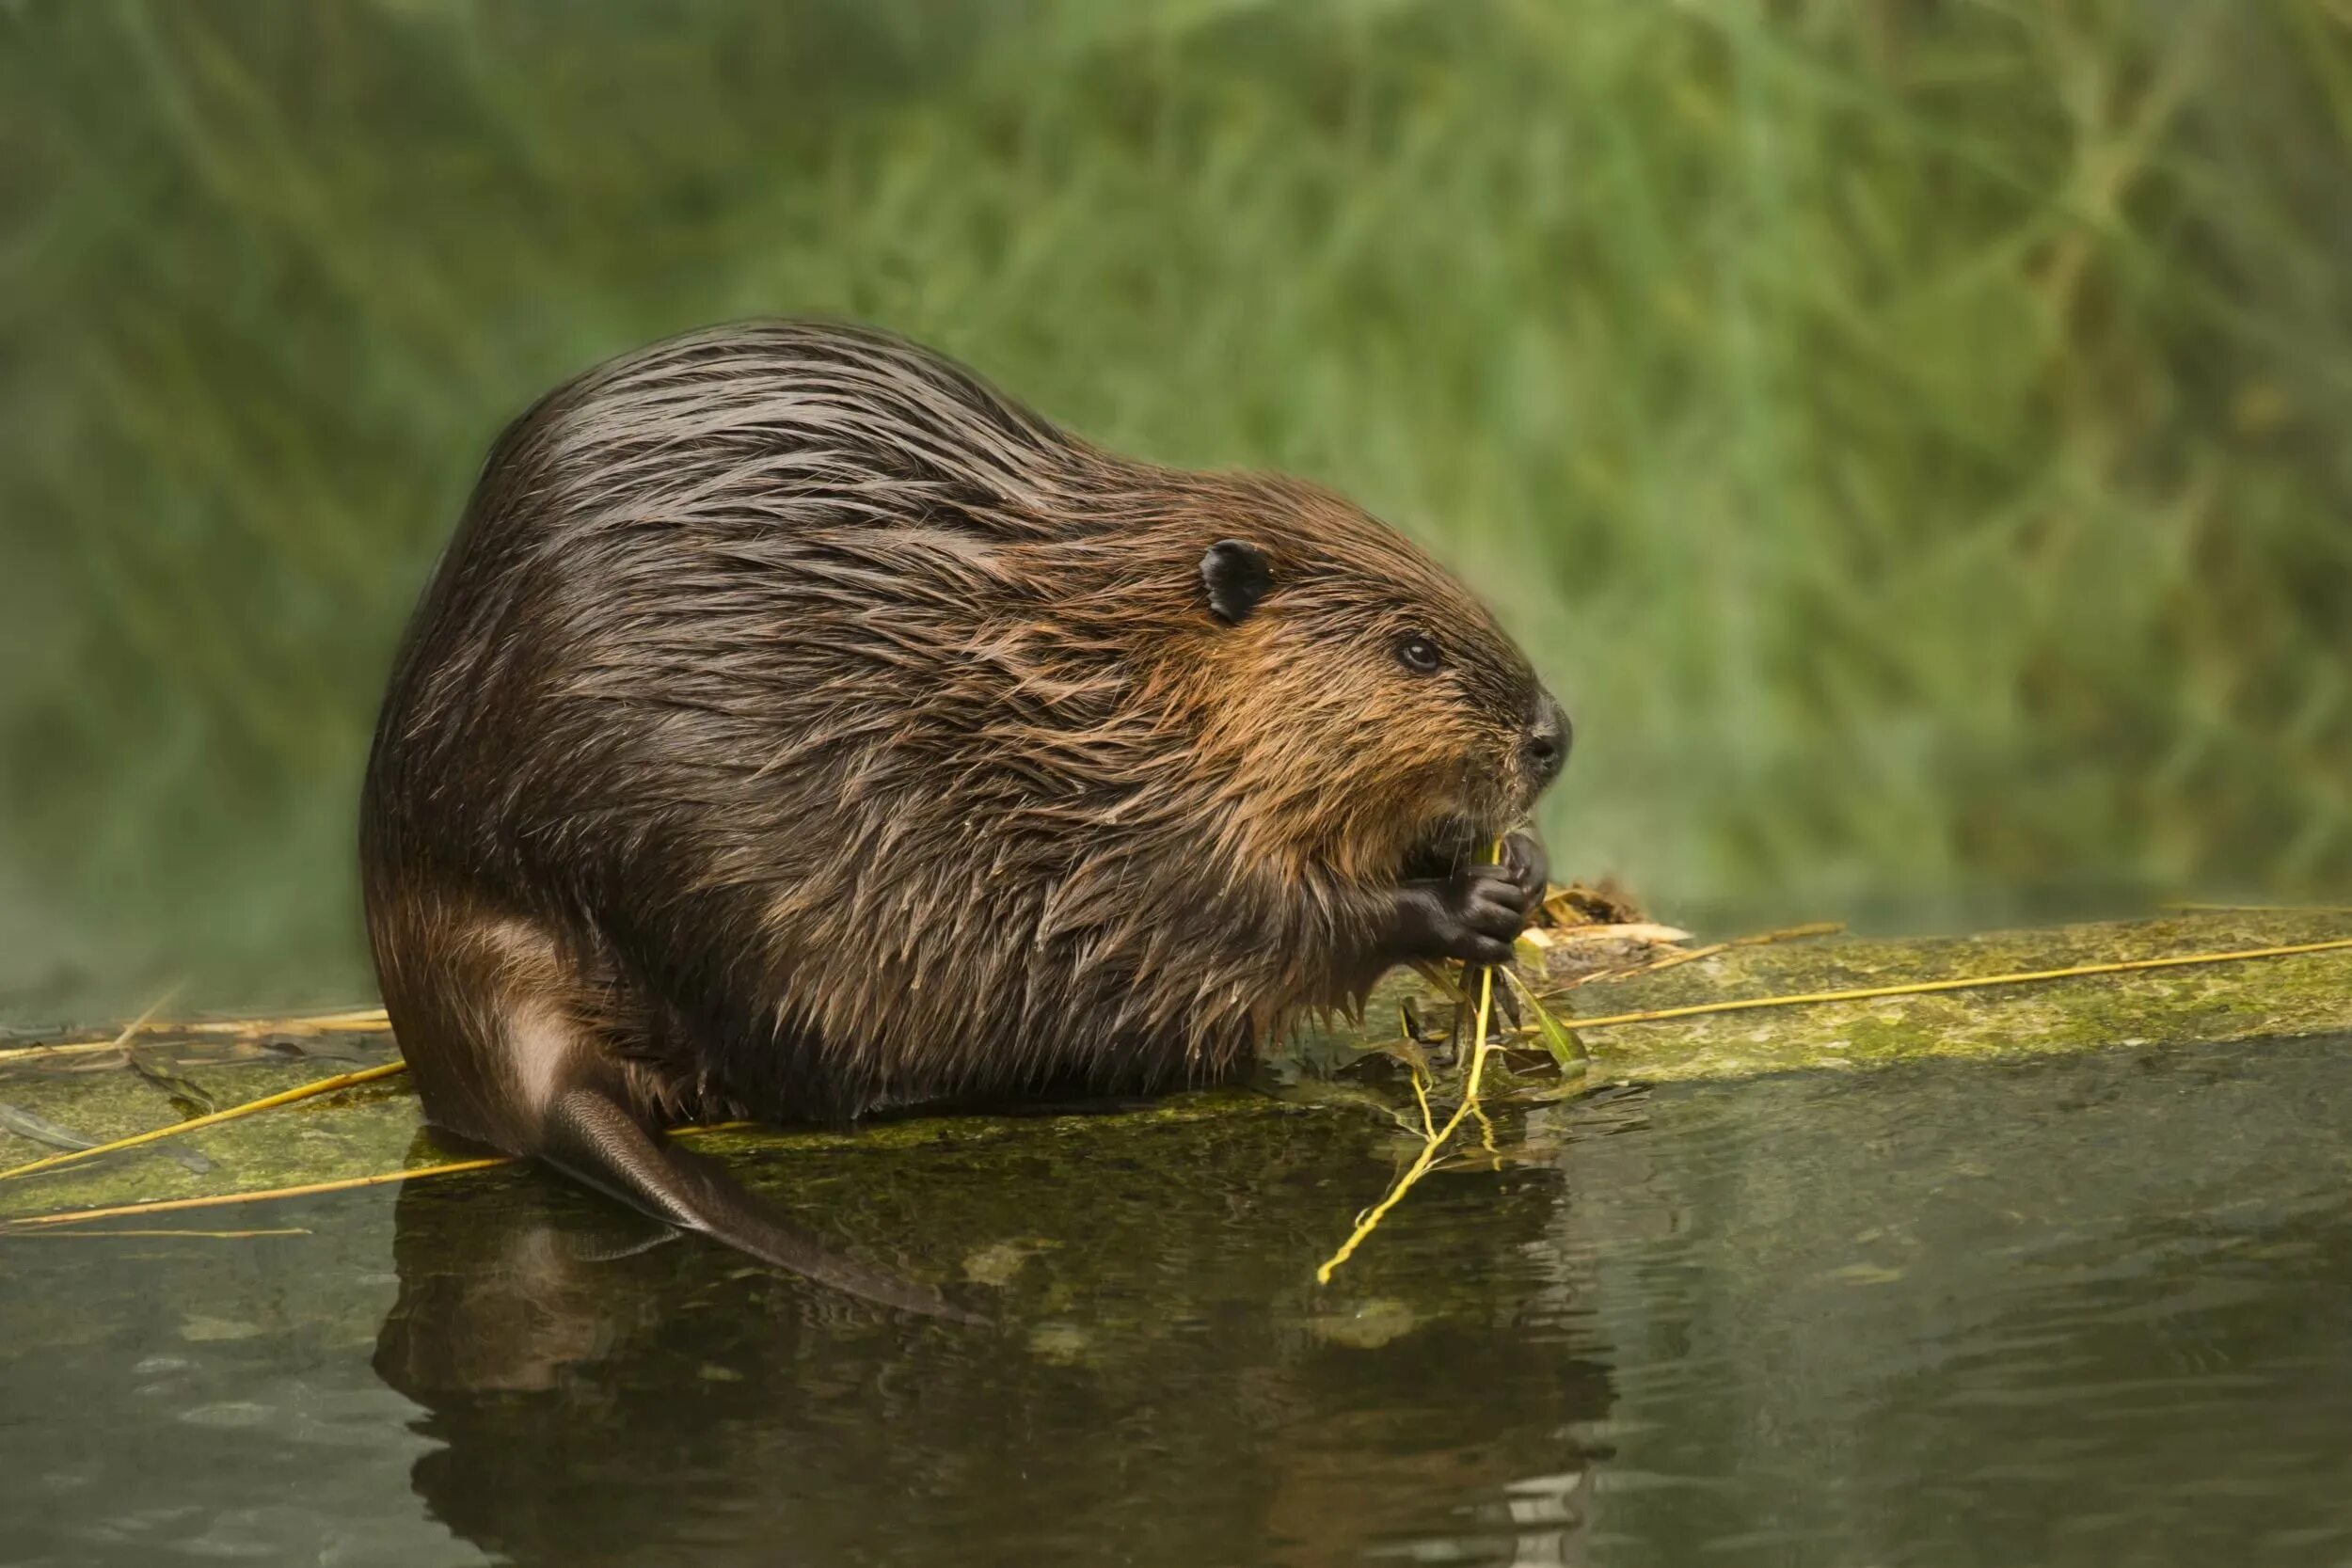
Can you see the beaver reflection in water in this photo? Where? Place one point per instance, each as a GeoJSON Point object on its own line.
{"type": "Point", "coordinates": [797, 727]}
{"type": "Point", "coordinates": [587, 1397]}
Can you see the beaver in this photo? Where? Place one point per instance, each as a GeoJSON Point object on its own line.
{"type": "Point", "coordinates": [798, 728]}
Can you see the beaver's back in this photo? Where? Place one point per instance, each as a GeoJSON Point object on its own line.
{"type": "Point", "coordinates": [673, 552]}
{"type": "Point", "coordinates": [725, 675]}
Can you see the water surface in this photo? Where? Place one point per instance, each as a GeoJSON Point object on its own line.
{"type": "Point", "coordinates": [2095, 1310]}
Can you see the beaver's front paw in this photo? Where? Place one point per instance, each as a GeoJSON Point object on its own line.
{"type": "Point", "coordinates": [1531, 868]}
{"type": "Point", "coordinates": [1473, 915]}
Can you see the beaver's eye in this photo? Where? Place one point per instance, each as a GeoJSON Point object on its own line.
{"type": "Point", "coordinates": [1418, 653]}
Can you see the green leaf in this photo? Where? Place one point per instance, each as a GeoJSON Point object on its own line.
{"type": "Point", "coordinates": [1567, 1050]}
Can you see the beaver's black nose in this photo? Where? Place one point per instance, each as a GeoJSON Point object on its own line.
{"type": "Point", "coordinates": [1546, 747]}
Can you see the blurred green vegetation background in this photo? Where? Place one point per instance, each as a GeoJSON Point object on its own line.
{"type": "Point", "coordinates": [1912, 435]}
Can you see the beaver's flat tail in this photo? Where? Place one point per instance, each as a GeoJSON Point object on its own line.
{"type": "Point", "coordinates": [490, 1011]}
{"type": "Point", "coordinates": [592, 1137]}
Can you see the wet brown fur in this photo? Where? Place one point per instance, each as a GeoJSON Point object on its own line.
{"type": "Point", "coordinates": [797, 727]}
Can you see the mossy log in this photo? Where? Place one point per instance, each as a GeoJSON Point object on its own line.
{"type": "Point", "coordinates": [2205, 1003]}
{"type": "Point", "coordinates": [89, 1089]}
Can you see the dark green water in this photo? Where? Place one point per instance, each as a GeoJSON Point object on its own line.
{"type": "Point", "coordinates": [2090, 1311]}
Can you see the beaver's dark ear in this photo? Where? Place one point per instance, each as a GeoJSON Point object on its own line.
{"type": "Point", "coordinates": [1235, 577]}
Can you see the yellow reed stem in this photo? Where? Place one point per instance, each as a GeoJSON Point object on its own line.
{"type": "Point", "coordinates": [361, 1020]}
{"type": "Point", "coordinates": [147, 1230]}
{"type": "Point", "coordinates": [1431, 1146]}
{"type": "Point", "coordinates": [351, 1021]}
{"type": "Point", "coordinates": [1486, 1135]}
{"type": "Point", "coordinates": [140, 1022]}
{"type": "Point", "coordinates": [1420, 1095]}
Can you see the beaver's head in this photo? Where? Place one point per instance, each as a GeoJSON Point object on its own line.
{"type": "Point", "coordinates": [1368, 713]}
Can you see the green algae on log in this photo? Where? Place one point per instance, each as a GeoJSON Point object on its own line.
{"type": "Point", "coordinates": [2204, 1003]}
{"type": "Point", "coordinates": [376, 1128]}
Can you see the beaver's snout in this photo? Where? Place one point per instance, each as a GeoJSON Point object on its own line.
{"type": "Point", "coordinates": [1545, 748]}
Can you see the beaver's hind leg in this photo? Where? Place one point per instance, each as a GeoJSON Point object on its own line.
{"type": "Point", "coordinates": [497, 1027]}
